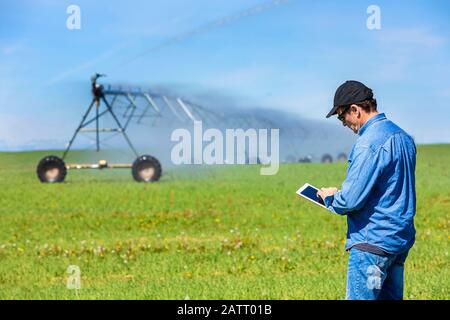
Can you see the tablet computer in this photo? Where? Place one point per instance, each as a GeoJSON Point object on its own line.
{"type": "Point", "coordinates": [309, 192]}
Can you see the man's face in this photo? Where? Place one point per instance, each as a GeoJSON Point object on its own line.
{"type": "Point", "coordinates": [349, 116]}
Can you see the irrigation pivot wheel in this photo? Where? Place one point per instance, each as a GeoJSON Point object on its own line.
{"type": "Point", "coordinates": [51, 169]}
{"type": "Point", "coordinates": [326, 158]}
{"type": "Point", "coordinates": [342, 157]}
{"type": "Point", "coordinates": [146, 169]}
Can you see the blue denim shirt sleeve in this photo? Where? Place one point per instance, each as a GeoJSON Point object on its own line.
{"type": "Point", "coordinates": [328, 201]}
{"type": "Point", "coordinates": [364, 168]}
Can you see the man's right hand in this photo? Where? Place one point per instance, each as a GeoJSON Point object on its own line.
{"type": "Point", "coordinates": [326, 192]}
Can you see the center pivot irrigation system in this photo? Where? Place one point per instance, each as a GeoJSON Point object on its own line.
{"type": "Point", "coordinates": [108, 100]}
{"type": "Point", "coordinates": [135, 105]}
{"type": "Point", "coordinates": [145, 168]}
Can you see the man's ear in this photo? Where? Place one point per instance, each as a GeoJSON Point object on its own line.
{"type": "Point", "coordinates": [355, 108]}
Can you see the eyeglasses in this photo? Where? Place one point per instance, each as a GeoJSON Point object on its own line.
{"type": "Point", "coordinates": [341, 116]}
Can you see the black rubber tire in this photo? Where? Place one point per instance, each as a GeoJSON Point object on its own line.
{"type": "Point", "coordinates": [146, 162]}
{"type": "Point", "coordinates": [342, 157]}
{"type": "Point", "coordinates": [307, 159]}
{"type": "Point", "coordinates": [327, 158]}
{"type": "Point", "coordinates": [48, 163]}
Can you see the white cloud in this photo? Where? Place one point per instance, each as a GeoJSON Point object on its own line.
{"type": "Point", "coordinates": [243, 76]}
{"type": "Point", "coordinates": [11, 49]}
{"type": "Point", "coordinates": [402, 48]}
{"type": "Point", "coordinates": [417, 37]}
{"type": "Point", "coordinates": [444, 93]}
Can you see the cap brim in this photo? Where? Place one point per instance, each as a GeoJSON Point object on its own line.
{"type": "Point", "coordinates": [332, 112]}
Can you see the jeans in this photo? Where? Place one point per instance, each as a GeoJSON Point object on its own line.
{"type": "Point", "coordinates": [374, 277]}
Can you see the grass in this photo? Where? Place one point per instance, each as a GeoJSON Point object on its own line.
{"type": "Point", "coordinates": [214, 233]}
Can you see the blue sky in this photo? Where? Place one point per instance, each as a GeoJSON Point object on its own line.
{"type": "Point", "coordinates": [291, 57]}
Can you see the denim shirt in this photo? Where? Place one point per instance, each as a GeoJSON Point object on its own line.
{"type": "Point", "coordinates": [378, 195]}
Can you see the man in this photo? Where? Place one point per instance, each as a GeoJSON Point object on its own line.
{"type": "Point", "coordinates": [378, 196]}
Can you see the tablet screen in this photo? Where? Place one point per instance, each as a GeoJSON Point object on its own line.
{"type": "Point", "coordinates": [311, 193]}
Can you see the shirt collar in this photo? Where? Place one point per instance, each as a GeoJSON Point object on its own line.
{"type": "Point", "coordinates": [378, 117]}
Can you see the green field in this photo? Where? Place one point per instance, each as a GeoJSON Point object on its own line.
{"type": "Point", "coordinates": [215, 233]}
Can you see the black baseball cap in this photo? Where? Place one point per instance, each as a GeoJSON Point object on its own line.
{"type": "Point", "coordinates": [348, 93]}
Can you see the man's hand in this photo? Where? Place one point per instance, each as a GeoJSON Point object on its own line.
{"type": "Point", "coordinates": [325, 192]}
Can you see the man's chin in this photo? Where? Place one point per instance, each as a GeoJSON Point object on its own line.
{"type": "Point", "coordinates": [355, 130]}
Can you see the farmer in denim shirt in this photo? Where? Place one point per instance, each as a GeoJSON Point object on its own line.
{"type": "Point", "coordinates": [378, 196]}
